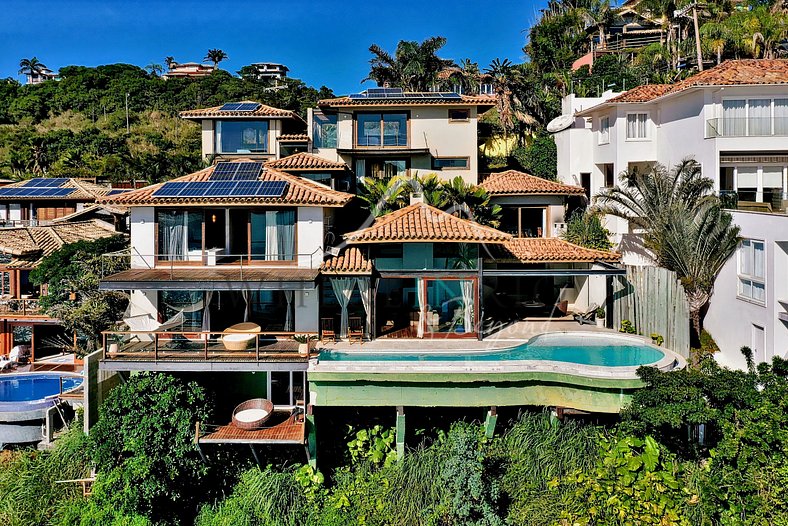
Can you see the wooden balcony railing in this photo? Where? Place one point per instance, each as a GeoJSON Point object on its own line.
{"type": "Point", "coordinates": [20, 307]}
{"type": "Point", "coordinates": [162, 346]}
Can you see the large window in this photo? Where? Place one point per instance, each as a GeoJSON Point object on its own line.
{"type": "Point", "coordinates": [752, 270]}
{"type": "Point", "coordinates": [242, 136]}
{"type": "Point", "coordinates": [604, 130]}
{"type": "Point", "coordinates": [273, 235]}
{"type": "Point", "coordinates": [753, 117]}
{"type": "Point", "coordinates": [637, 128]}
{"type": "Point", "coordinates": [324, 130]}
{"type": "Point", "coordinates": [180, 235]}
{"type": "Point", "coordinates": [382, 129]}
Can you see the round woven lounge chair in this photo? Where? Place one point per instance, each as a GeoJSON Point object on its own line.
{"type": "Point", "coordinates": [245, 327]}
{"type": "Point", "coordinates": [252, 414]}
{"type": "Point", "coordinates": [239, 341]}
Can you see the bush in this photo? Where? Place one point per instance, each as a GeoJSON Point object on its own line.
{"type": "Point", "coordinates": [143, 445]}
{"type": "Point", "coordinates": [585, 228]}
{"type": "Point", "coordinates": [540, 158]}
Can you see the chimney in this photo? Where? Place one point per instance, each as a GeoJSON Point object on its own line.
{"type": "Point", "coordinates": [416, 197]}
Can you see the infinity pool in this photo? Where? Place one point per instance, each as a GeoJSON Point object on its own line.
{"type": "Point", "coordinates": [35, 386]}
{"type": "Point", "coordinates": [607, 350]}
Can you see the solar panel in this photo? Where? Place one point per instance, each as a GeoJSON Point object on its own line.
{"type": "Point", "coordinates": [236, 171]}
{"type": "Point", "coordinates": [239, 106]}
{"type": "Point", "coordinates": [116, 191]}
{"type": "Point", "coordinates": [397, 93]}
{"type": "Point", "coordinates": [169, 189]}
{"type": "Point", "coordinates": [54, 182]}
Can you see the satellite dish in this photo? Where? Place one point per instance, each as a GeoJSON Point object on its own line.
{"type": "Point", "coordinates": [561, 122]}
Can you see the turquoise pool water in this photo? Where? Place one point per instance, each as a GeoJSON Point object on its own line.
{"type": "Point", "coordinates": [601, 350]}
{"type": "Point", "coordinates": [32, 387]}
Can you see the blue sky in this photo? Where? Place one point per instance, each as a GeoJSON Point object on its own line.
{"type": "Point", "coordinates": [322, 42]}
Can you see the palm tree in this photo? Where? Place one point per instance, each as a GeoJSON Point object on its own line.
{"type": "Point", "coordinates": [216, 56]}
{"type": "Point", "coordinates": [413, 67]}
{"type": "Point", "coordinates": [154, 69]}
{"type": "Point", "coordinates": [30, 66]}
{"type": "Point", "coordinates": [684, 225]}
{"type": "Point", "coordinates": [170, 62]}
{"type": "Point", "coordinates": [599, 14]}
{"type": "Point", "coordinates": [502, 73]}
{"type": "Point", "coordinates": [715, 36]}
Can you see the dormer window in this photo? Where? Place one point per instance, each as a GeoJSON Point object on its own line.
{"type": "Point", "coordinates": [241, 136]}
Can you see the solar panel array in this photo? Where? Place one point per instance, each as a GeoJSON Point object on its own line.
{"type": "Point", "coordinates": [116, 191]}
{"type": "Point", "coordinates": [248, 171]}
{"type": "Point", "coordinates": [397, 93]}
{"type": "Point", "coordinates": [222, 189]}
{"type": "Point", "coordinates": [239, 106]}
{"type": "Point", "coordinates": [39, 187]}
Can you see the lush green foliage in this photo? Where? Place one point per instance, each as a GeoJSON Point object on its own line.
{"type": "Point", "coordinates": [144, 451]}
{"type": "Point", "coordinates": [585, 228]}
{"type": "Point", "coordinates": [375, 445]}
{"type": "Point", "coordinates": [413, 67]}
{"type": "Point", "coordinates": [72, 274]}
{"type": "Point", "coordinates": [539, 157]}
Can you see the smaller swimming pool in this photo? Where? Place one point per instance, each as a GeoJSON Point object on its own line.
{"type": "Point", "coordinates": [587, 348]}
{"type": "Point", "coordinates": [23, 390]}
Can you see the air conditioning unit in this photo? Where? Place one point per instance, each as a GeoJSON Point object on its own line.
{"type": "Point", "coordinates": [559, 228]}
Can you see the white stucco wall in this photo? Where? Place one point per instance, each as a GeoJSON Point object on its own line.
{"type": "Point", "coordinates": [310, 236]}
{"type": "Point", "coordinates": [306, 304]}
{"type": "Point", "coordinates": [730, 318]}
{"type": "Point", "coordinates": [143, 236]}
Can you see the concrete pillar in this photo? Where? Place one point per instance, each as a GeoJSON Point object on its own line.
{"type": "Point", "coordinates": [311, 436]}
{"type": "Point", "coordinates": [400, 432]}
{"type": "Point", "coordinates": [490, 421]}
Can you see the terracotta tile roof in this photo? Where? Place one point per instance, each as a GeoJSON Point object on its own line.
{"type": "Point", "coordinates": [300, 192]}
{"type": "Point", "coordinates": [305, 161]}
{"type": "Point", "coordinates": [350, 261]}
{"type": "Point", "coordinates": [262, 111]}
{"type": "Point", "coordinates": [83, 191]}
{"type": "Point", "coordinates": [293, 137]}
{"type": "Point", "coordinates": [473, 100]}
{"type": "Point", "coordinates": [512, 182]}
{"type": "Point", "coordinates": [642, 93]}
{"type": "Point", "coordinates": [28, 245]}
{"type": "Point", "coordinates": [550, 250]}
{"type": "Point", "coordinates": [421, 222]}
{"type": "Point", "coordinates": [741, 72]}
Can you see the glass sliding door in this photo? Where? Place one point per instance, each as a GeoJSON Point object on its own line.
{"type": "Point", "coordinates": [760, 117]}
{"type": "Point", "coordinates": [272, 235]}
{"type": "Point", "coordinates": [451, 307]}
{"type": "Point", "coordinates": [180, 235]}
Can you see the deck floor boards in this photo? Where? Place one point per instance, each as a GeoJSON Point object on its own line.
{"type": "Point", "coordinates": [283, 427]}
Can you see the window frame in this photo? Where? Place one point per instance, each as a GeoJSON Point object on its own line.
{"type": "Point", "coordinates": [435, 165]}
{"type": "Point", "coordinates": [604, 131]}
{"type": "Point", "coordinates": [466, 111]}
{"type": "Point", "coordinates": [752, 279]}
{"type": "Point", "coordinates": [217, 137]}
{"type": "Point", "coordinates": [646, 127]}
{"type": "Point", "coordinates": [382, 121]}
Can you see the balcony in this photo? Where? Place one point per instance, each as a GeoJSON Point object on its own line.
{"type": "Point", "coordinates": [20, 307]}
{"type": "Point", "coordinates": [747, 127]}
{"type": "Point", "coordinates": [745, 202]}
{"type": "Point", "coordinates": [204, 347]}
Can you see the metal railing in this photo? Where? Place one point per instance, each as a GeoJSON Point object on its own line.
{"type": "Point", "coordinates": [207, 258]}
{"type": "Point", "coordinates": [746, 202]}
{"type": "Point", "coordinates": [624, 42]}
{"type": "Point", "coordinates": [747, 127]}
{"type": "Point", "coordinates": [162, 346]}
{"type": "Point", "coordinates": [21, 307]}
{"type": "Point", "coordinates": [382, 141]}
{"type": "Point", "coordinates": [17, 223]}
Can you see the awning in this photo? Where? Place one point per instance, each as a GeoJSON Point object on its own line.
{"type": "Point", "coordinates": [218, 278]}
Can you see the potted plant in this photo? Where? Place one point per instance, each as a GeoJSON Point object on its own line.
{"type": "Point", "coordinates": [303, 342]}
{"type": "Point", "coordinates": [600, 317]}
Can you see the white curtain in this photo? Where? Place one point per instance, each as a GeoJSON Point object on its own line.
{"type": "Point", "coordinates": [734, 118]}
{"type": "Point", "coordinates": [760, 117]}
{"type": "Point", "coordinates": [289, 312]}
{"type": "Point", "coordinates": [173, 232]}
{"type": "Point", "coordinates": [468, 302]}
{"type": "Point", "coordinates": [248, 307]}
{"type": "Point", "coordinates": [422, 306]}
{"type": "Point", "coordinates": [746, 177]}
{"type": "Point", "coordinates": [271, 237]}
{"type": "Point", "coordinates": [363, 289]}
{"type": "Point", "coordinates": [780, 117]}
{"type": "Point", "coordinates": [206, 312]}
{"type": "Point", "coordinates": [343, 289]}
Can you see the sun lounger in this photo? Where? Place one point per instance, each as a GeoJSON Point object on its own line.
{"type": "Point", "coordinates": [586, 318]}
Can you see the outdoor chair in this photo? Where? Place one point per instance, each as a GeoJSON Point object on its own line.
{"type": "Point", "coordinates": [586, 318]}
{"type": "Point", "coordinates": [355, 330]}
{"type": "Point", "coordinates": [327, 330]}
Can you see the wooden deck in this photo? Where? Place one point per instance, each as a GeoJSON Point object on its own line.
{"type": "Point", "coordinates": [283, 427]}
{"type": "Point", "coordinates": [147, 351]}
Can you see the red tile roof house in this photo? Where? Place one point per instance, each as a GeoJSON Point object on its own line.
{"type": "Point", "coordinates": [733, 120]}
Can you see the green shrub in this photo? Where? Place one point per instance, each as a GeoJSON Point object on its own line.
{"type": "Point", "coordinates": [585, 228]}
{"type": "Point", "coordinates": [539, 158]}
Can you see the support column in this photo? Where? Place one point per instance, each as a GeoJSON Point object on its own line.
{"type": "Point", "coordinates": [490, 421]}
{"type": "Point", "coordinates": [609, 302]}
{"type": "Point", "coordinates": [400, 432]}
{"type": "Point", "coordinates": [311, 436]}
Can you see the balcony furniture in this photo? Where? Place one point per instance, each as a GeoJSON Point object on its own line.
{"type": "Point", "coordinates": [194, 255]}
{"type": "Point", "coordinates": [754, 206]}
{"type": "Point", "coordinates": [146, 323]}
{"type": "Point", "coordinates": [562, 307]}
{"type": "Point", "coordinates": [238, 341]}
{"type": "Point", "coordinates": [211, 255]}
{"type": "Point", "coordinates": [246, 327]}
{"type": "Point", "coordinates": [355, 330]}
{"type": "Point", "coordinates": [587, 317]}
{"type": "Point", "coordinates": [252, 414]}
{"type": "Point", "coordinates": [327, 330]}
